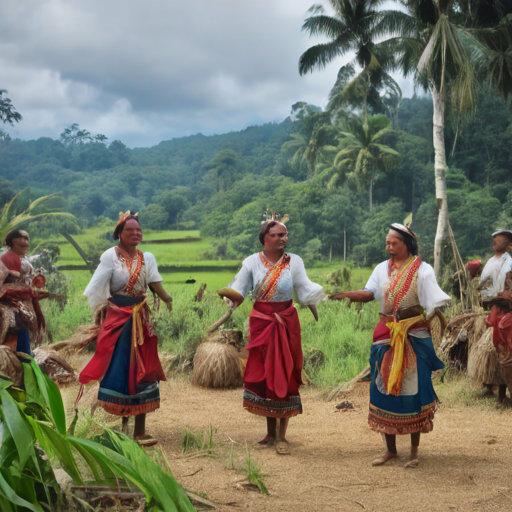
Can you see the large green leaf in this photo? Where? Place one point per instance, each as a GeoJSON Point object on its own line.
{"type": "Point", "coordinates": [53, 398]}
{"type": "Point", "coordinates": [56, 445]}
{"type": "Point", "coordinates": [8, 492]}
{"type": "Point", "coordinates": [18, 427]}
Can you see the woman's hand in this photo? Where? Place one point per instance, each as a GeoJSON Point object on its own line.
{"type": "Point", "coordinates": [160, 291]}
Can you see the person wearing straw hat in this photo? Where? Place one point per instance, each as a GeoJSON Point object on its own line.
{"type": "Point", "coordinates": [402, 398]}
{"type": "Point", "coordinates": [493, 275]}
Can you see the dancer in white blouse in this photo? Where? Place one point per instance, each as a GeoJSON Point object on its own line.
{"type": "Point", "coordinates": [126, 359]}
{"type": "Point", "coordinates": [273, 371]}
{"type": "Point", "coordinates": [402, 398]}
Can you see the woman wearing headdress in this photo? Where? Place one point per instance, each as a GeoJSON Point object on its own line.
{"type": "Point", "coordinates": [273, 371]}
{"type": "Point", "coordinates": [22, 323]}
{"type": "Point", "coordinates": [402, 398]}
{"type": "Point", "coordinates": [126, 359]}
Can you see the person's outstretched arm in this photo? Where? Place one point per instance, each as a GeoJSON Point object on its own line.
{"type": "Point", "coordinates": [354, 296]}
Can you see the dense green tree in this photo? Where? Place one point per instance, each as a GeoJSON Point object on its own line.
{"type": "Point", "coordinates": [8, 114]}
{"type": "Point", "coordinates": [356, 27]}
{"type": "Point", "coordinates": [154, 216]}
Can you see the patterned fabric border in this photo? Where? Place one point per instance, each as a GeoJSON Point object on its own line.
{"type": "Point", "coordinates": [272, 408]}
{"type": "Point", "coordinates": [400, 424]}
{"type": "Point", "coordinates": [129, 405]}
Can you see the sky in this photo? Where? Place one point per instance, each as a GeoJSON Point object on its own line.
{"type": "Point", "coordinates": [146, 71]}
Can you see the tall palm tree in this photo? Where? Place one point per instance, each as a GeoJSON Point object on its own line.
{"type": "Point", "coordinates": [431, 44]}
{"type": "Point", "coordinates": [362, 153]}
{"type": "Point", "coordinates": [355, 26]}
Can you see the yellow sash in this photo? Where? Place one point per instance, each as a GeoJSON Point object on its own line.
{"type": "Point", "coordinates": [138, 329]}
{"type": "Point", "coordinates": [399, 332]}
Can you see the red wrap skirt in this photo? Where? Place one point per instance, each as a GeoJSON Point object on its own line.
{"type": "Point", "coordinates": [274, 366]}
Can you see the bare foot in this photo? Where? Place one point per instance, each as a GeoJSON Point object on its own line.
{"type": "Point", "coordinates": [282, 447]}
{"type": "Point", "coordinates": [382, 459]}
{"type": "Point", "coordinates": [413, 463]}
{"type": "Point", "coordinates": [267, 440]}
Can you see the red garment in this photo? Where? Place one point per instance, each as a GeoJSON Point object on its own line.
{"type": "Point", "coordinates": [274, 364]}
{"type": "Point", "coordinates": [11, 260]}
{"type": "Point", "coordinates": [502, 334]}
{"type": "Point", "coordinates": [144, 362]}
{"type": "Point", "coordinates": [473, 267]}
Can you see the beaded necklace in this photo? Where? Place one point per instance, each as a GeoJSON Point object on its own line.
{"type": "Point", "coordinates": [269, 284]}
{"type": "Point", "coordinates": [402, 280]}
{"type": "Point", "coordinates": [134, 273]}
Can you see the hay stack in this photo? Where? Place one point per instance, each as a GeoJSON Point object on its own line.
{"type": "Point", "coordinates": [217, 366]}
{"type": "Point", "coordinates": [55, 366]}
{"type": "Point", "coordinates": [10, 365]}
{"type": "Point", "coordinates": [483, 361]}
{"type": "Point", "coordinates": [462, 335]}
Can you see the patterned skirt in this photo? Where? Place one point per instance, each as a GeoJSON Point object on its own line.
{"type": "Point", "coordinates": [413, 410]}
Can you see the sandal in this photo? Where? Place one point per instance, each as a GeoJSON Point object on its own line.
{"type": "Point", "coordinates": [145, 441]}
{"type": "Point", "coordinates": [266, 441]}
{"type": "Point", "coordinates": [282, 447]}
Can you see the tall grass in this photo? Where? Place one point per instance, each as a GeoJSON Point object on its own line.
{"type": "Point", "coordinates": [341, 339]}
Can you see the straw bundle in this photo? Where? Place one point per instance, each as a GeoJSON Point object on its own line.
{"type": "Point", "coordinates": [84, 338]}
{"type": "Point", "coordinates": [55, 366]}
{"type": "Point", "coordinates": [483, 361]}
{"type": "Point", "coordinates": [10, 365]}
{"type": "Point", "coordinates": [217, 365]}
{"type": "Point", "coordinates": [462, 334]}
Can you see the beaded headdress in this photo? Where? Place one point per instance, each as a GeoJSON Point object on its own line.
{"type": "Point", "coordinates": [270, 215]}
{"type": "Point", "coordinates": [123, 217]}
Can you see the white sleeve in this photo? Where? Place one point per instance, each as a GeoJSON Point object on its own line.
{"type": "Point", "coordinates": [375, 284]}
{"type": "Point", "coordinates": [430, 294]}
{"type": "Point", "coordinates": [242, 283]}
{"type": "Point", "coordinates": [152, 274]}
{"type": "Point", "coordinates": [98, 289]}
{"type": "Point", "coordinates": [307, 292]}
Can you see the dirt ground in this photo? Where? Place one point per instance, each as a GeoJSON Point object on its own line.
{"type": "Point", "coordinates": [465, 462]}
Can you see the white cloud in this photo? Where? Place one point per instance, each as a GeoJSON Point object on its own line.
{"type": "Point", "coordinates": [147, 71]}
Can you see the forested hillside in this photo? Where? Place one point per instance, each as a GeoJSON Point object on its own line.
{"type": "Point", "coordinates": [222, 184]}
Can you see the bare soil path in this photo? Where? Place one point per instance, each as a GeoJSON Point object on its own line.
{"type": "Point", "coordinates": [466, 462]}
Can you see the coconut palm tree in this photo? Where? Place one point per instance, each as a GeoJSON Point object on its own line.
{"type": "Point", "coordinates": [362, 153]}
{"type": "Point", "coordinates": [431, 44]}
{"type": "Point", "coordinates": [355, 27]}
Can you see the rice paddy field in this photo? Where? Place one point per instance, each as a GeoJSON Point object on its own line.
{"type": "Point", "coordinates": [336, 348]}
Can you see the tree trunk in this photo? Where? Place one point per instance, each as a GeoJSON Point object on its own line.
{"type": "Point", "coordinates": [440, 169]}
{"type": "Point", "coordinates": [78, 249]}
{"type": "Point", "coordinates": [371, 194]}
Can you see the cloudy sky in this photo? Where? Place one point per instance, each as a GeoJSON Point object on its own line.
{"type": "Point", "coordinates": [146, 71]}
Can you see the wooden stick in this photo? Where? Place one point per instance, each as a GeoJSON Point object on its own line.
{"type": "Point", "coordinates": [220, 321]}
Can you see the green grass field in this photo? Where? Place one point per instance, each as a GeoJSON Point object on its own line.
{"type": "Point", "coordinates": [343, 335]}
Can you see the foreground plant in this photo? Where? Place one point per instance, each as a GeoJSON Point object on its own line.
{"type": "Point", "coordinates": [35, 441]}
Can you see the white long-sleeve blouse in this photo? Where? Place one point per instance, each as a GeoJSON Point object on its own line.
{"type": "Point", "coordinates": [430, 295]}
{"type": "Point", "coordinates": [112, 275]}
{"type": "Point", "coordinates": [293, 278]}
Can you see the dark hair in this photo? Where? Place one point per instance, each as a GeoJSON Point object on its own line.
{"type": "Point", "coordinates": [120, 226]}
{"type": "Point", "coordinates": [265, 228]}
{"type": "Point", "coordinates": [409, 241]}
{"type": "Point", "coordinates": [12, 235]}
